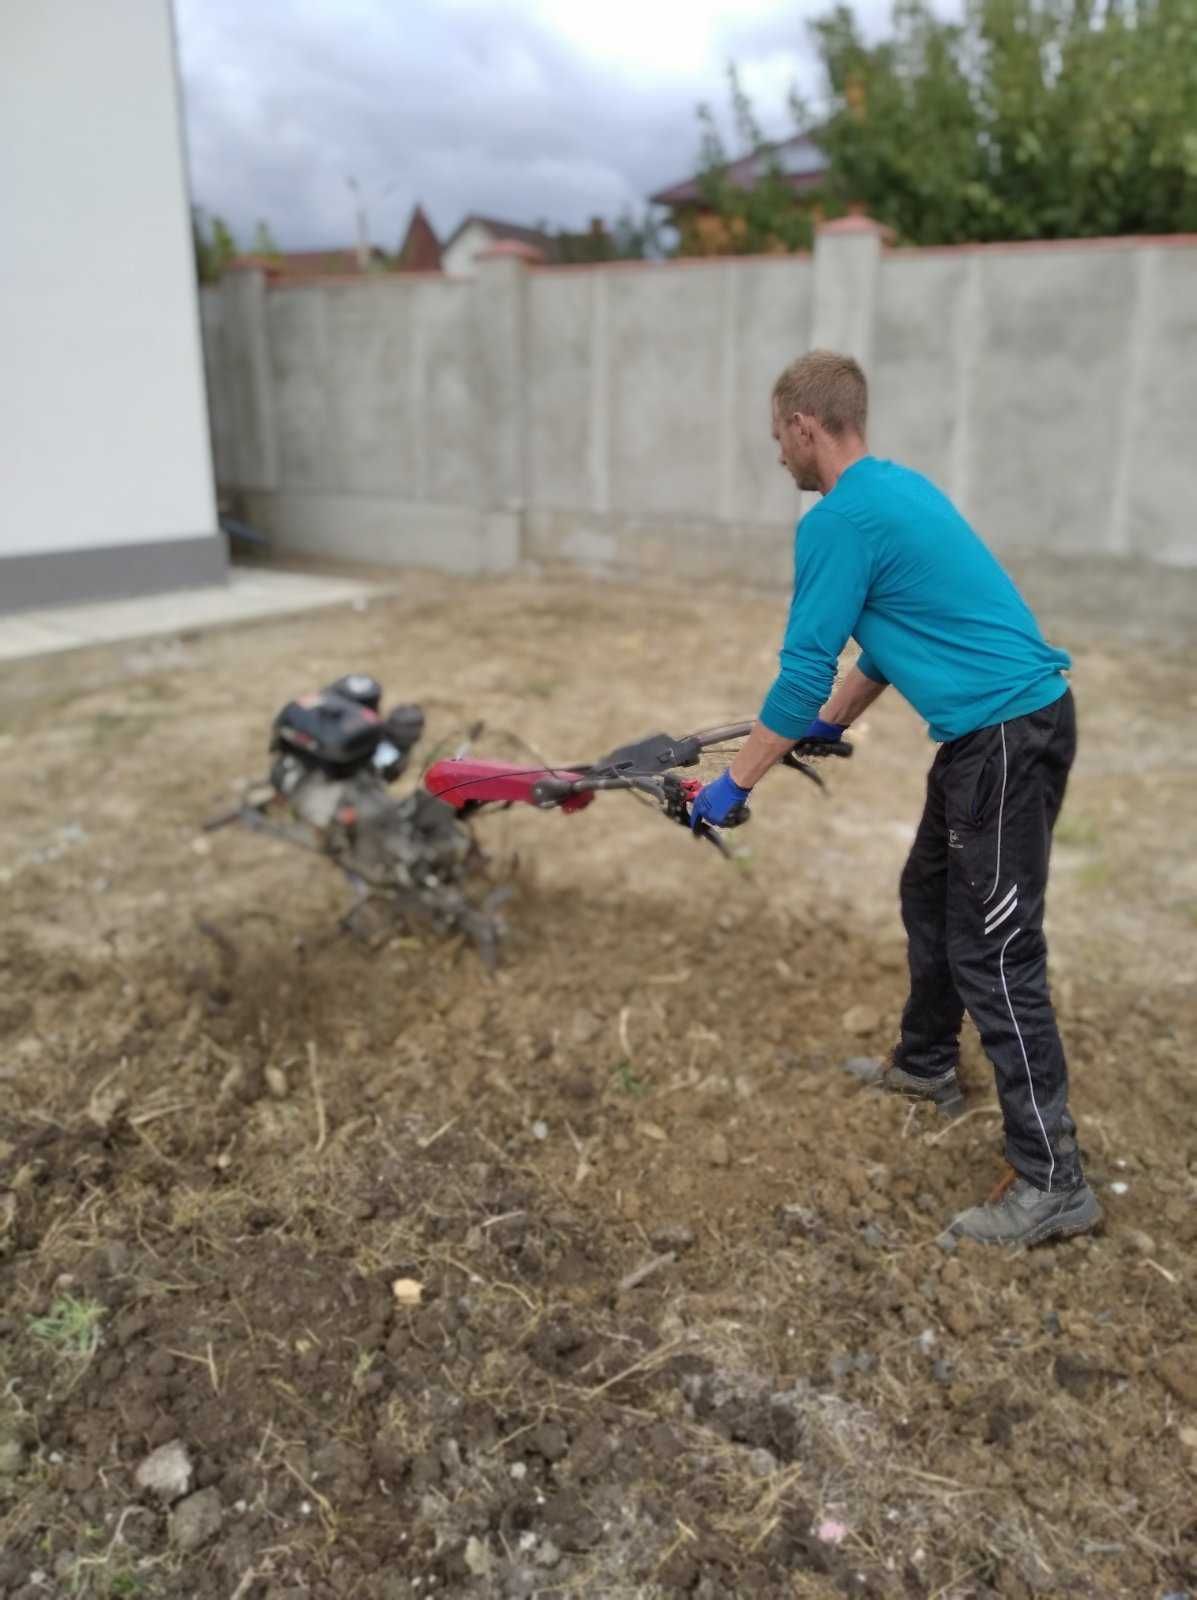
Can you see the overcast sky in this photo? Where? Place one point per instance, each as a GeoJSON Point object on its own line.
{"type": "Point", "coordinates": [529, 110]}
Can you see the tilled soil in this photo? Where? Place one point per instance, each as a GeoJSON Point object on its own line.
{"type": "Point", "coordinates": [673, 1317]}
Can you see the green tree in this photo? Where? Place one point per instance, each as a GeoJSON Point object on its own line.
{"type": "Point", "coordinates": [202, 245]}
{"type": "Point", "coordinates": [758, 218]}
{"type": "Point", "coordinates": [264, 242]}
{"type": "Point", "coordinates": [214, 245]}
{"type": "Point", "coordinates": [636, 238]}
{"type": "Point", "coordinates": [1027, 119]}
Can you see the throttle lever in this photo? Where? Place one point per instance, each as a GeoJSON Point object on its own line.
{"type": "Point", "coordinates": [690, 789]}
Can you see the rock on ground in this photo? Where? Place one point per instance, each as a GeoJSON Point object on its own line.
{"type": "Point", "coordinates": [166, 1471]}
{"type": "Point", "coordinates": [196, 1520]}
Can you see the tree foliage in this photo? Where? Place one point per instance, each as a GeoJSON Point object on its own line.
{"type": "Point", "coordinates": [1029, 119]}
{"type": "Point", "coordinates": [629, 239]}
{"type": "Point", "coordinates": [763, 217]}
{"type": "Point", "coordinates": [214, 245]}
{"type": "Point", "coordinates": [1026, 119]}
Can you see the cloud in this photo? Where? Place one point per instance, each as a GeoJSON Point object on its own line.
{"type": "Point", "coordinates": [546, 110]}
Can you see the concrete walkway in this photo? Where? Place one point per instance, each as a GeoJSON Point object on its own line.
{"type": "Point", "coordinates": [250, 593]}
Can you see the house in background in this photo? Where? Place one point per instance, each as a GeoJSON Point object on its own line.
{"type": "Point", "coordinates": [475, 235]}
{"type": "Point", "coordinates": [421, 249]}
{"type": "Point", "coordinates": [802, 163]}
{"type": "Point", "coordinates": [331, 263]}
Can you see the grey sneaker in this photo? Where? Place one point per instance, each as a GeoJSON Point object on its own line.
{"type": "Point", "coordinates": [943, 1091]}
{"type": "Point", "coordinates": [1018, 1213]}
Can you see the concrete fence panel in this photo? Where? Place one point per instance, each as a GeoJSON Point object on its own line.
{"type": "Point", "coordinates": [1048, 416]}
{"type": "Point", "coordinates": [616, 417]}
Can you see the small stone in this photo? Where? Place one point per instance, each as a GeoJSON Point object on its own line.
{"type": "Point", "coordinates": [551, 1441]}
{"type": "Point", "coordinates": [519, 1471]}
{"type": "Point", "coordinates": [196, 1520]}
{"type": "Point", "coordinates": [12, 1454]}
{"type": "Point", "coordinates": [1188, 1437]}
{"type": "Point", "coordinates": [672, 1236]}
{"type": "Point", "coordinates": [1079, 1377]}
{"type": "Point", "coordinates": [1177, 1371]}
{"type": "Point", "coordinates": [548, 1555]}
{"type": "Point", "coordinates": [540, 1129]}
{"type": "Point", "coordinates": [277, 1083]}
{"type": "Point", "coordinates": [583, 1027]}
{"type": "Point", "coordinates": [866, 1069]}
{"type": "Point", "coordinates": [859, 1020]}
{"type": "Point", "coordinates": [718, 1151]}
{"type": "Point", "coordinates": [830, 1531]}
{"type": "Point", "coordinates": [762, 1463]}
{"type": "Point", "coordinates": [106, 1105]}
{"type": "Point", "coordinates": [166, 1472]}
{"type": "Point", "coordinates": [960, 1320]}
{"type": "Point", "coordinates": [426, 1470]}
{"type": "Point", "coordinates": [477, 1557]}
{"type": "Point", "coordinates": [872, 1235]}
{"type": "Point", "coordinates": [407, 1291]}
{"type": "Point", "coordinates": [797, 1219]}
{"type": "Point", "coordinates": [943, 1371]}
{"type": "Point", "coordinates": [1138, 1241]}
{"type": "Point", "coordinates": [114, 1258]}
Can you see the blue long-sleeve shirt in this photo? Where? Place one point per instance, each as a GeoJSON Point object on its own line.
{"type": "Point", "coordinates": [886, 559]}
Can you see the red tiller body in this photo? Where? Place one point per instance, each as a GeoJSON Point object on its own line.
{"type": "Point", "coordinates": [465, 782]}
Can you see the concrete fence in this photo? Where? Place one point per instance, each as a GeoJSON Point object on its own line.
{"type": "Point", "coordinates": [617, 417]}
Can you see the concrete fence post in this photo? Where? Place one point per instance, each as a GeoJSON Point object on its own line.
{"type": "Point", "coordinates": [847, 281]}
{"type": "Point", "coordinates": [248, 379]}
{"type": "Point", "coordinates": [499, 299]}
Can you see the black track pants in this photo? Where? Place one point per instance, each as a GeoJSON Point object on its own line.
{"type": "Point", "coordinates": [973, 892]}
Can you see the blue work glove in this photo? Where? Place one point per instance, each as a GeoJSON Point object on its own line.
{"type": "Point", "coordinates": [831, 731]}
{"type": "Point", "coordinates": [716, 802]}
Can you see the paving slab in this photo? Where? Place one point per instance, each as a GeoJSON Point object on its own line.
{"type": "Point", "coordinates": [248, 594]}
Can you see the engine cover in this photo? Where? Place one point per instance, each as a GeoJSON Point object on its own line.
{"type": "Point", "coordinates": [328, 731]}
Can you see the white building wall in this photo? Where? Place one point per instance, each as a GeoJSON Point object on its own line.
{"type": "Point", "coordinates": [458, 260]}
{"type": "Point", "coordinates": [103, 428]}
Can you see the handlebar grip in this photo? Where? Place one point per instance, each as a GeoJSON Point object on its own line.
{"type": "Point", "coordinates": [822, 747]}
{"type": "Point", "coordinates": [550, 791]}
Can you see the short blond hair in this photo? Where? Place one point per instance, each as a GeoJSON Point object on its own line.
{"type": "Point", "coordinates": [829, 387]}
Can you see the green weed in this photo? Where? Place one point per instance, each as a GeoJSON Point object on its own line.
{"type": "Point", "coordinates": [626, 1079]}
{"type": "Point", "coordinates": [71, 1326]}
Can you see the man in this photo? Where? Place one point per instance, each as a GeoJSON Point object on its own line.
{"type": "Point", "coordinates": [886, 559]}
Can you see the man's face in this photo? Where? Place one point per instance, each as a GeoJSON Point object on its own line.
{"type": "Point", "coordinates": [795, 443]}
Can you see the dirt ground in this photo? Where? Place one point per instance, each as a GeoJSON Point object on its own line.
{"type": "Point", "coordinates": [684, 1327]}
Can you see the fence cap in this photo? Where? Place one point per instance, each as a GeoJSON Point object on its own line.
{"type": "Point", "coordinates": [858, 221]}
